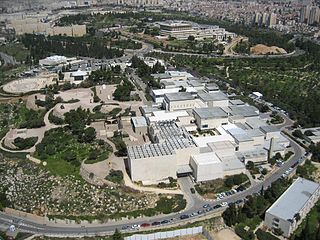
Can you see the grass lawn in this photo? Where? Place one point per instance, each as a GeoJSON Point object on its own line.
{"type": "Point", "coordinates": [64, 153]}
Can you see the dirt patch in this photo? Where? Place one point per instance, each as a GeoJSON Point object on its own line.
{"type": "Point", "coordinates": [30, 84]}
{"type": "Point", "coordinates": [261, 49]}
{"type": "Point", "coordinates": [190, 237]}
{"type": "Point", "coordinates": [225, 234]}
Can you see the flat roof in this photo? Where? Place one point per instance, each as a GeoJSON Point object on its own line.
{"type": "Point", "coordinates": [163, 91]}
{"type": "Point", "coordinates": [179, 96]}
{"type": "Point", "coordinates": [293, 199]}
{"type": "Point", "coordinates": [240, 135]}
{"type": "Point", "coordinates": [269, 128]}
{"type": "Point", "coordinates": [236, 102]}
{"type": "Point", "coordinates": [211, 112]}
{"type": "Point", "coordinates": [254, 133]}
{"type": "Point", "coordinates": [255, 123]}
{"type": "Point", "coordinates": [222, 145]}
{"type": "Point", "coordinates": [244, 110]}
{"type": "Point", "coordinates": [212, 96]}
{"type": "Point", "coordinates": [212, 86]}
{"type": "Point", "coordinates": [160, 116]}
{"type": "Point", "coordinates": [139, 122]}
{"type": "Point", "coordinates": [230, 162]}
{"type": "Point", "coordinates": [203, 141]}
{"type": "Point", "coordinates": [206, 158]}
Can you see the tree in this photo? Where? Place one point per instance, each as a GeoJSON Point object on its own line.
{"type": "Point", "coordinates": [89, 135]}
{"type": "Point", "coordinates": [250, 165]}
{"type": "Point", "coordinates": [117, 235]}
{"type": "Point", "coordinates": [297, 133]}
{"type": "Point", "coordinates": [191, 38]}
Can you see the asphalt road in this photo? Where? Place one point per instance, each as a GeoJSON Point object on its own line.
{"type": "Point", "coordinates": [8, 60]}
{"type": "Point", "coordinates": [195, 204]}
{"type": "Point", "coordinates": [49, 228]}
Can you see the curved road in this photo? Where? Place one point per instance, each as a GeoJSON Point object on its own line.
{"type": "Point", "coordinates": [194, 204]}
{"type": "Point", "coordinates": [49, 228]}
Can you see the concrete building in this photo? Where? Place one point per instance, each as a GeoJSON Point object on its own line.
{"type": "Point", "coordinates": [139, 125]}
{"type": "Point", "coordinates": [178, 101]}
{"type": "Point", "coordinates": [168, 154]}
{"type": "Point", "coordinates": [182, 30]}
{"type": "Point", "coordinates": [297, 200]}
{"type": "Point", "coordinates": [214, 99]}
{"type": "Point", "coordinates": [211, 87]}
{"type": "Point", "coordinates": [210, 118]}
{"type": "Point", "coordinates": [206, 166]}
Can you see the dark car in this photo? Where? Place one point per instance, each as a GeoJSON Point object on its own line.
{"type": "Point", "coordinates": [155, 223]}
{"type": "Point", "coordinates": [239, 201]}
{"type": "Point", "coordinates": [200, 212]}
{"type": "Point", "coordinates": [192, 190]}
{"type": "Point", "coordinates": [165, 221]}
{"type": "Point", "coordinates": [217, 206]}
{"type": "Point", "coordinates": [125, 227]}
{"type": "Point", "coordinates": [184, 216]}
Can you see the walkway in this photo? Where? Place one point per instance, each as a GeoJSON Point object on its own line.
{"type": "Point", "coordinates": [35, 132]}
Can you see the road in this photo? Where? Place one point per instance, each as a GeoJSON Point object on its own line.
{"type": "Point", "coordinates": [195, 203]}
{"type": "Point", "coordinates": [8, 60]}
{"type": "Point", "coordinates": [50, 228]}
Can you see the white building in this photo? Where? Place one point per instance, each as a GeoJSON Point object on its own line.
{"type": "Point", "coordinates": [178, 101]}
{"type": "Point", "coordinates": [210, 118]}
{"type": "Point", "coordinates": [53, 60]}
{"type": "Point", "coordinates": [206, 166]}
{"type": "Point", "coordinates": [297, 200]}
{"type": "Point", "coordinates": [182, 30]}
{"type": "Point", "coordinates": [214, 99]}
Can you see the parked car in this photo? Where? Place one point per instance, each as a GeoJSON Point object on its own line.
{"type": "Point", "coordinates": [155, 223]}
{"type": "Point", "coordinates": [145, 225]}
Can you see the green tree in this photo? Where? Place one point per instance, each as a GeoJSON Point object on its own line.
{"type": "Point", "coordinates": [89, 135]}
{"type": "Point", "coordinates": [117, 235]}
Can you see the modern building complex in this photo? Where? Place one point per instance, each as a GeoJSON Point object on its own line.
{"type": "Point", "coordinates": [292, 207]}
{"type": "Point", "coordinates": [200, 133]}
{"type": "Point", "coordinates": [183, 29]}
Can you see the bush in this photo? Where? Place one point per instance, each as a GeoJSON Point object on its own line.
{"type": "Point", "coordinates": [261, 235]}
{"type": "Point", "coordinates": [115, 176]}
{"type": "Point", "coordinates": [25, 143]}
{"type": "Point", "coordinates": [55, 120]}
{"type": "Point", "coordinates": [245, 235]}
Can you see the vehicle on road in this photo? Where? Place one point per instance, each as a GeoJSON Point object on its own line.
{"type": "Point", "coordinates": [155, 223]}
{"type": "Point", "coordinates": [217, 206]}
{"type": "Point", "coordinates": [165, 221]}
{"type": "Point", "coordinates": [184, 216]}
{"type": "Point", "coordinates": [145, 225]}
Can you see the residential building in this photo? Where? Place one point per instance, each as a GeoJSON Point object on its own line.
{"type": "Point", "coordinates": [292, 206]}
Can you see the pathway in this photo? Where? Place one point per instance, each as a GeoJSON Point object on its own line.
{"type": "Point", "coordinates": [38, 132]}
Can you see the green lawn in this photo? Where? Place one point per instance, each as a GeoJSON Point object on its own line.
{"type": "Point", "coordinates": [64, 153]}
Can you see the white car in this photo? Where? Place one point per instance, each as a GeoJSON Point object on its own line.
{"type": "Point", "coordinates": [224, 204]}
{"type": "Point", "coordinates": [135, 226]}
